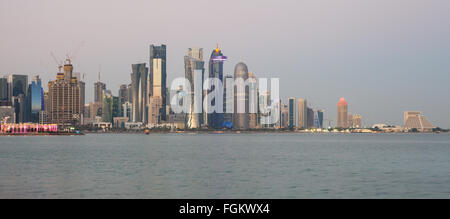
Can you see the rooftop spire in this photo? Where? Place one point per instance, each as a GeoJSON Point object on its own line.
{"type": "Point", "coordinates": [99, 70]}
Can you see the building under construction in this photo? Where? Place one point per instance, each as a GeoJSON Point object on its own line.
{"type": "Point", "coordinates": [66, 98]}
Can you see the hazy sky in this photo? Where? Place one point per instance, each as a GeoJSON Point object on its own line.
{"type": "Point", "coordinates": [383, 56]}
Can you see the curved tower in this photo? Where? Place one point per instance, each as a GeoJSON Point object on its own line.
{"type": "Point", "coordinates": [194, 68]}
{"type": "Point", "coordinates": [139, 92]}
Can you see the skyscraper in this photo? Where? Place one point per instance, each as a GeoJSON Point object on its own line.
{"type": "Point", "coordinates": [194, 67]}
{"type": "Point", "coordinates": [127, 110]}
{"type": "Point", "coordinates": [110, 107]}
{"type": "Point", "coordinates": [284, 116]}
{"type": "Point", "coordinates": [139, 92]}
{"type": "Point", "coordinates": [99, 87]}
{"type": "Point", "coordinates": [316, 119]}
{"type": "Point", "coordinates": [65, 105]}
{"type": "Point", "coordinates": [292, 112]}
{"type": "Point", "coordinates": [253, 101]}
{"type": "Point", "coordinates": [157, 84]}
{"type": "Point", "coordinates": [320, 118]}
{"type": "Point", "coordinates": [241, 104]}
{"type": "Point", "coordinates": [215, 119]}
{"type": "Point", "coordinates": [36, 95]}
{"type": "Point", "coordinates": [310, 118]}
{"type": "Point", "coordinates": [107, 107]}
{"type": "Point", "coordinates": [18, 97]}
{"type": "Point", "coordinates": [123, 97]}
{"type": "Point", "coordinates": [20, 108]}
{"type": "Point", "coordinates": [17, 84]}
{"type": "Point", "coordinates": [342, 109]}
{"type": "Point", "coordinates": [228, 99]}
{"type": "Point", "coordinates": [43, 117]}
{"type": "Point", "coordinates": [4, 92]}
{"type": "Point", "coordinates": [302, 114]}
{"type": "Point", "coordinates": [82, 86]}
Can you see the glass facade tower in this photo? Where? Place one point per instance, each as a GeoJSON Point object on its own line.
{"type": "Point", "coordinates": [291, 106]}
{"type": "Point", "coordinates": [215, 119]}
{"type": "Point", "coordinates": [157, 84]}
{"type": "Point", "coordinates": [36, 98]}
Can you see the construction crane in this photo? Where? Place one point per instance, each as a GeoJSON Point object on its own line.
{"type": "Point", "coordinates": [73, 54]}
{"type": "Point", "coordinates": [70, 56]}
{"type": "Point", "coordinates": [59, 62]}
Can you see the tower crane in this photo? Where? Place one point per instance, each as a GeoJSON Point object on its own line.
{"type": "Point", "coordinates": [73, 54]}
{"type": "Point", "coordinates": [58, 61]}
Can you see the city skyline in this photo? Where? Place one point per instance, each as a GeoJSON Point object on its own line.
{"type": "Point", "coordinates": [342, 120]}
{"type": "Point", "coordinates": [389, 72]}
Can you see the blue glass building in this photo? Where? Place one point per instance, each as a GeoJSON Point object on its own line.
{"type": "Point", "coordinates": [36, 95]}
{"type": "Point", "coordinates": [215, 120]}
{"type": "Point", "coordinates": [320, 118]}
{"type": "Point", "coordinates": [291, 120]}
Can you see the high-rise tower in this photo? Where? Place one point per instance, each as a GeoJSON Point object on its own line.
{"type": "Point", "coordinates": [4, 92]}
{"type": "Point", "coordinates": [65, 101]}
{"type": "Point", "coordinates": [302, 111]}
{"type": "Point", "coordinates": [139, 92]}
{"type": "Point", "coordinates": [228, 99]}
{"type": "Point", "coordinates": [194, 69]}
{"type": "Point", "coordinates": [215, 119]}
{"type": "Point", "coordinates": [292, 112]}
{"type": "Point", "coordinates": [36, 95]}
{"type": "Point", "coordinates": [157, 84]}
{"type": "Point", "coordinates": [17, 85]}
{"type": "Point", "coordinates": [123, 98]}
{"type": "Point", "coordinates": [241, 104]}
{"type": "Point", "coordinates": [99, 88]}
{"type": "Point", "coordinates": [342, 110]}
{"type": "Point", "coordinates": [252, 101]}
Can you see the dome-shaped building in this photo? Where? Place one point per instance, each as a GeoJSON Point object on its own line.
{"type": "Point", "coordinates": [241, 104]}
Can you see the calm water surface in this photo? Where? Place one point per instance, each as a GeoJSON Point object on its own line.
{"type": "Point", "coordinates": [226, 166]}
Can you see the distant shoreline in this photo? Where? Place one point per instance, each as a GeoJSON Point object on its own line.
{"type": "Point", "coordinates": [252, 132]}
{"type": "Point", "coordinates": [41, 134]}
{"type": "Point", "coordinates": [214, 133]}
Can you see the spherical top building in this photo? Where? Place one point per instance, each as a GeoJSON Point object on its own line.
{"type": "Point", "coordinates": [241, 71]}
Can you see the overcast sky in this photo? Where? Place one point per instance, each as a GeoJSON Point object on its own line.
{"type": "Point", "coordinates": [383, 56]}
